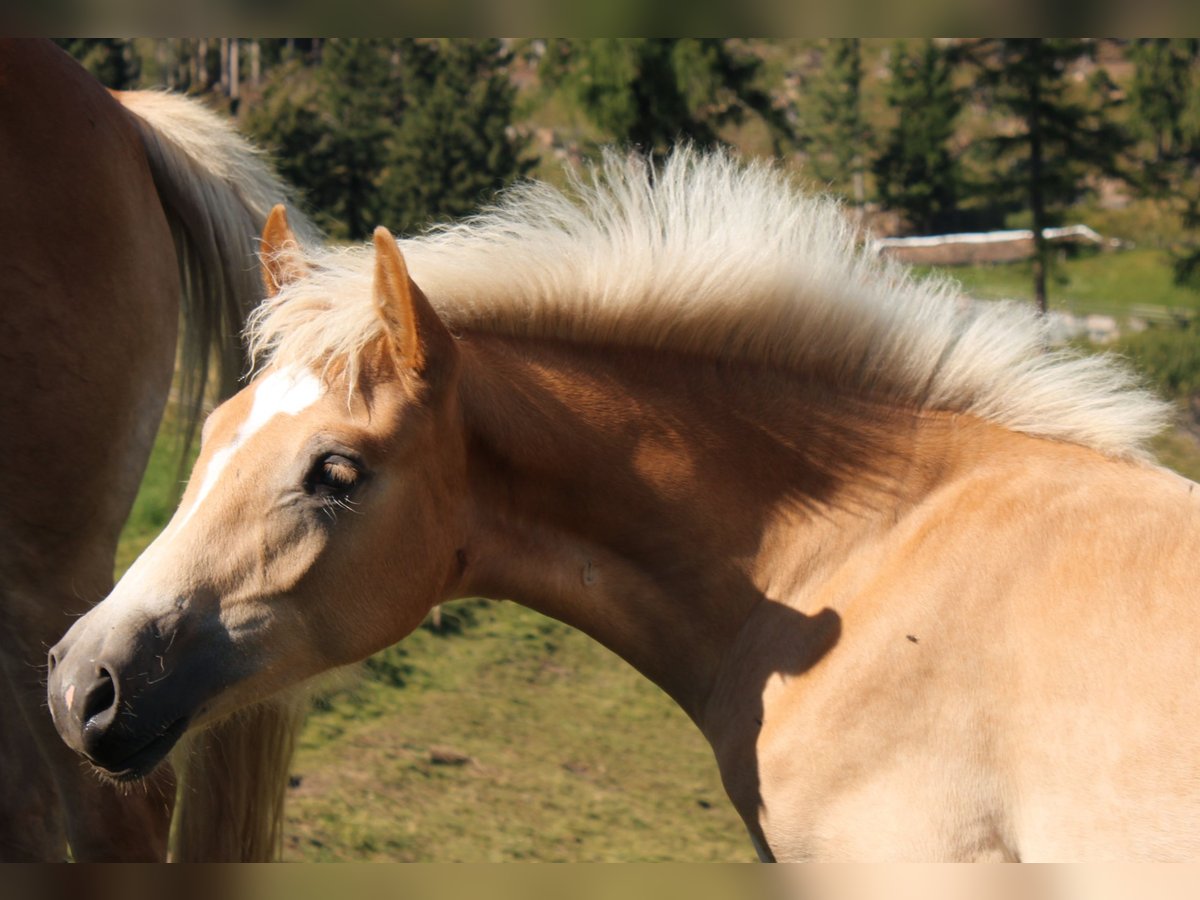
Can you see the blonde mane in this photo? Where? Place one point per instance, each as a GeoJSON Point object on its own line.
{"type": "Point", "coordinates": [721, 259]}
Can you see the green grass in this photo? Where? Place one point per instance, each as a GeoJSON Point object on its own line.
{"type": "Point", "coordinates": [1179, 449]}
{"type": "Point", "coordinates": [572, 756]}
{"type": "Point", "coordinates": [1094, 282]}
{"type": "Point", "coordinates": [1168, 356]}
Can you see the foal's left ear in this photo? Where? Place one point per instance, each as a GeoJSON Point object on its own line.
{"type": "Point", "coordinates": [414, 329]}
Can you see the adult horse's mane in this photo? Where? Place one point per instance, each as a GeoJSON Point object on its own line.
{"type": "Point", "coordinates": [721, 259]}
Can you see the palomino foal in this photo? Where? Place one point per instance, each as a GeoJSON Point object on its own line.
{"type": "Point", "coordinates": [900, 564]}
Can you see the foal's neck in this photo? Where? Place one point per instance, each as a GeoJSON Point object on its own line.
{"type": "Point", "coordinates": [653, 501]}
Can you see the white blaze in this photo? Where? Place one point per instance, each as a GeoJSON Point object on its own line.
{"type": "Point", "coordinates": [285, 392]}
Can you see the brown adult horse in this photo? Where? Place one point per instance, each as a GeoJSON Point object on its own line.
{"type": "Point", "coordinates": [107, 207]}
{"type": "Point", "coordinates": [905, 568]}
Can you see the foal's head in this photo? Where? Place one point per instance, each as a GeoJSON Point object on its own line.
{"type": "Point", "coordinates": [320, 524]}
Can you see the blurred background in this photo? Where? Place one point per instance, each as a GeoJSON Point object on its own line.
{"type": "Point", "coordinates": [1057, 172]}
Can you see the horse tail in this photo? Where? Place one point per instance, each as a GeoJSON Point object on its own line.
{"type": "Point", "coordinates": [217, 190]}
{"type": "Point", "coordinates": [231, 779]}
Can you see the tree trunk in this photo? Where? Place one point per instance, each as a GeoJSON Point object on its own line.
{"type": "Point", "coordinates": [223, 81]}
{"type": "Point", "coordinates": [860, 190]}
{"type": "Point", "coordinates": [1037, 204]}
{"type": "Point", "coordinates": [202, 63]}
{"type": "Point", "coordinates": [183, 65]}
{"type": "Point", "coordinates": [166, 68]}
{"type": "Point", "coordinates": [255, 62]}
{"type": "Point", "coordinates": [234, 60]}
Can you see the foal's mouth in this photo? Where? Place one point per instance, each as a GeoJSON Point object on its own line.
{"type": "Point", "coordinates": [142, 762]}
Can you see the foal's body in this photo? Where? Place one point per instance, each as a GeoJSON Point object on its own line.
{"type": "Point", "coordinates": [879, 619]}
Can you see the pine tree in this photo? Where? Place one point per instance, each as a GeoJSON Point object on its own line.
{"type": "Point", "coordinates": [360, 92]}
{"type": "Point", "coordinates": [112, 61]}
{"type": "Point", "coordinates": [651, 93]}
{"type": "Point", "coordinates": [1059, 141]}
{"type": "Point", "coordinates": [1162, 90]}
{"type": "Point", "coordinates": [396, 132]}
{"type": "Point", "coordinates": [841, 139]}
{"type": "Point", "coordinates": [455, 146]}
{"type": "Point", "coordinates": [328, 125]}
{"type": "Point", "coordinates": [917, 174]}
{"type": "Point", "coordinates": [1166, 99]}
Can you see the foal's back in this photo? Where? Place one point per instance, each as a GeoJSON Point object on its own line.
{"type": "Point", "coordinates": [1015, 676]}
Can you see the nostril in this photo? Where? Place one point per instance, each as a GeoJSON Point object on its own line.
{"type": "Point", "coordinates": [100, 697]}
{"type": "Point", "coordinates": [52, 661]}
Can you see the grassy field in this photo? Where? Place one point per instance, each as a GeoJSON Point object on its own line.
{"type": "Point", "coordinates": [1179, 449]}
{"type": "Point", "coordinates": [1097, 282]}
{"type": "Point", "coordinates": [516, 738]}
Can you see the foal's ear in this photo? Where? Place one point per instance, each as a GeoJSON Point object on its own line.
{"type": "Point", "coordinates": [412, 326]}
{"type": "Point", "coordinates": [282, 259]}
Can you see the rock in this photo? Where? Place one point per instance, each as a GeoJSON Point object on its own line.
{"type": "Point", "coordinates": [445, 756]}
{"type": "Point", "coordinates": [1101, 329]}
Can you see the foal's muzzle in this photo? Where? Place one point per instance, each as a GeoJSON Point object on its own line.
{"type": "Point", "coordinates": [123, 686]}
{"type": "Point", "coordinates": [101, 712]}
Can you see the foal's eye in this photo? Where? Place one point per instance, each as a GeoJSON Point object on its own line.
{"type": "Point", "coordinates": [333, 474]}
